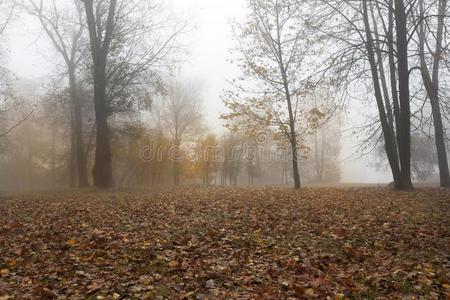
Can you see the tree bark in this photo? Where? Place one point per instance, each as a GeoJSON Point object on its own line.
{"type": "Point", "coordinates": [73, 183]}
{"type": "Point", "coordinates": [431, 84]}
{"type": "Point", "coordinates": [404, 132]}
{"type": "Point", "coordinates": [389, 139]}
{"type": "Point", "coordinates": [100, 43]}
{"type": "Point", "coordinates": [293, 135]}
{"type": "Point", "coordinates": [102, 171]}
{"type": "Point", "coordinates": [81, 161]}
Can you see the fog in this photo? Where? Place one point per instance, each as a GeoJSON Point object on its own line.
{"type": "Point", "coordinates": [203, 54]}
{"type": "Point", "coordinates": [224, 149]}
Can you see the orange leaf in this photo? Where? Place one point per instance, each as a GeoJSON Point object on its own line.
{"type": "Point", "coordinates": [71, 242]}
{"type": "Point", "coordinates": [173, 264]}
{"type": "Point", "coordinates": [4, 271]}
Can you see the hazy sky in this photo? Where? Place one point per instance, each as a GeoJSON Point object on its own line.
{"type": "Point", "coordinates": [209, 44]}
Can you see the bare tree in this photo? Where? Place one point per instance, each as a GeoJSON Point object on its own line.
{"type": "Point", "coordinates": [272, 49]}
{"type": "Point", "coordinates": [100, 41]}
{"type": "Point", "coordinates": [372, 47]}
{"type": "Point", "coordinates": [7, 8]}
{"type": "Point", "coordinates": [66, 32]}
{"type": "Point", "coordinates": [179, 112]}
{"type": "Point", "coordinates": [233, 148]}
{"type": "Point", "coordinates": [127, 45]}
{"type": "Point", "coordinates": [428, 37]}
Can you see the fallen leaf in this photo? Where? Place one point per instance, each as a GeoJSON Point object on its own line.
{"type": "Point", "coordinates": [4, 271]}
{"type": "Point", "coordinates": [71, 242]}
{"type": "Point", "coordinates": [174, 264]}
{"type": "Point", "coordinates": [309, 293]}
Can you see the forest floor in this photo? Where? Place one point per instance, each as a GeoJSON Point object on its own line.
{"type": "Point", "coordinates": [200, 243]}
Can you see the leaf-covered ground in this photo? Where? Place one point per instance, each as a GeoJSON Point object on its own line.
{"type": "Point", "coordinates": [198, 243]}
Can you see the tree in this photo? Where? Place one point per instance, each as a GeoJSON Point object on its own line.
{"type": "Point", "coordinates": [324, 155]}
{"type": "Point", "coordinates": [233, 148]}
{"type": "Point", "coordinates": [208, 157]}
{"type": "Point", "coordinates": [431, 80]}
{"type": "Point", "coordinates": [7, 8]}
{"type": "Point", "coordinates": [272, 49]}
{"type": "Point", "coordinates": [100, 41]}
{"type": "Point", "coordinates": [362, 57]}
{"type": "Point", "coordinates": [129, 41]}
{"type": "Point", "coordinates": [179, 112]}
{"type": "Point", "coordinates": [424, 161]}
{"type": "Point", "coordinates": [66, 33]}
{"type": "Point", "coordinates": [404, 128]}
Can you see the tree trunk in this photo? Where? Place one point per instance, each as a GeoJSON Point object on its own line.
{"type": "Point", "coordinates": [440, 141]}
{"type": "Point", "coordinates": [432, 87]}
{"type": "Point", "coordinates": [102, 171]}
{"type": "Point", "coordinates": [100, 44]}
{"type": "Point", "coordinates": [73, 158]}
{"type": "Point", "coordinates": [393, 69]}
{"type": "Point", "coordinates": [389, 139]}
{"type": "Point", "coordinates": [81, 162]}
{"type": "Point", "coordinates": [293, 135]}
{"type": "Point", "coordinates": [404, 132]}
{"type": "Point", "coordinates": [176, 165]}
{"type": "Point", "coordinates": [383, 80]}
{"type": "Point", "coordinates": [53, 154]}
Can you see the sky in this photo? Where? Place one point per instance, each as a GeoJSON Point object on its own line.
{"type": "Point", "coordinates": [208, 44]}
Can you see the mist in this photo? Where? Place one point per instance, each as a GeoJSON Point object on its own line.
{"type": "Point", "coordinates": [209, 149]}
{"type": "Point", "coordinates": [204, 56]}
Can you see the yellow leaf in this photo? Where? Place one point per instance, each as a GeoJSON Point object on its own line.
{"type": "Point", "coordinates": [340, 296]}
{"type": "Point", "coordinates": [4, 271]}
{"type": "Point", "coordinates": [71, 242]}
{"type": "Point", "coordinates": [173, 264]}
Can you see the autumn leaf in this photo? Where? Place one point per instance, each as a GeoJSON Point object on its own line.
{"type": "Point", "coordinates": [339, 296]}
{"type": "Point", "coordinates": [173, 264]}
{"type": "Point", "coordinates": [309, 293]}
{"type": "Point", "coordinates": [4, 271]}
{"type": "Point", "coordinates": [267, 243]}
{"type": "Point", "coordinates": [71, 242]}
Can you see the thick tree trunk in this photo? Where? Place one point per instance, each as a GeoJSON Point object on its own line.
{"type": "Point", "coordinates": [102, 171]}
{"type": "Point", "coordinates": [404, 132]}
{"type": "Point", "coordinates": [100, 42]}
